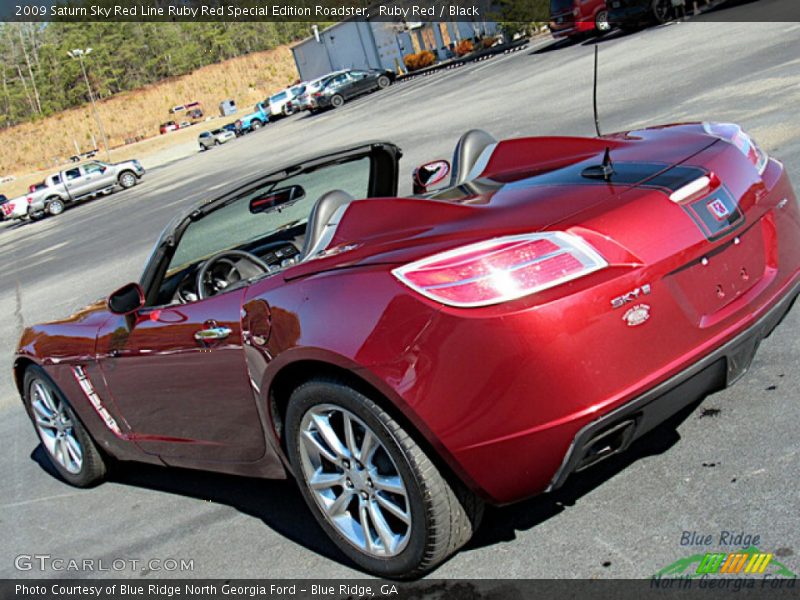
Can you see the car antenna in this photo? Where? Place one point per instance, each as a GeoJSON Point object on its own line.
{"type": "Point", "coordinates": [605, 170]}
{"type": "Point", "coordinates": [594, 93]}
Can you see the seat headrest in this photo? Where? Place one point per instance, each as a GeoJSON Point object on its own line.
{"type": "Point", "coordinates": [468, 150]}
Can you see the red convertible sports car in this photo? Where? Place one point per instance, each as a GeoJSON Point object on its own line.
{"type": "Point", "coordinates": [408, 359]}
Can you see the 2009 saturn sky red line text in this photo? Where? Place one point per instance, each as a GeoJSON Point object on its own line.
{"type": "Point", "coordinates": [408, 359]}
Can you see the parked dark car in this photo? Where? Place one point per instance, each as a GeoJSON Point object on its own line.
{"type": "Point", "coordinates": [3, 200]}
{"type": "Point", "coordinates": [349, 84]}
{"type": "Point", "coordinates": [632, 14]}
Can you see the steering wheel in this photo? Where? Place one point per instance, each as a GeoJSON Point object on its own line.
{"type": "Point", "coordinates": [234, 266]}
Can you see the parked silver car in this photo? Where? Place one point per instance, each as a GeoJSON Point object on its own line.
{"type": "Point", "coordinates": [79, 183]}
{"type": "Point", "coordinates": [208, 139]}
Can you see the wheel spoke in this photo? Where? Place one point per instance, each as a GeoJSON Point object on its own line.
{"type": "Point", "coordinates": [382, 527]}
{"type": "Point", "coordinates": [368, 448]}
{"type": "Point", "coordinates": [317, 446]}
{"type": "Point", "coordinates": [46, 398]}
{"type": "Point", "coordinates": [58, 451]}
{"type": "Point", "coordinates": [394, 509]}
{"type": "Point", "coordinates": [43, 415]}
{"type": "Point", "coordinates": [324, 428]}
{"type": "Point", "coordinates": [389, 483]}
{"type": "Point", "coordinates": [363, 517]}
{"type": "Point", "coordinates": [73, 449]}
{"type": "Point", "coordinates": [339, 505]}
{"type": "Point", "coordinates": [349, 437]}
{"type": "Point", "coordinates": [322, 481]}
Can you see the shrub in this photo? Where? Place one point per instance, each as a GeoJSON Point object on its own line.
{"type": "Point", "coordinates": [488, 41]}
{"type": "Point", "coordinates": [464, 47]}
{"type": "Point", "coordinates": [420, 60]}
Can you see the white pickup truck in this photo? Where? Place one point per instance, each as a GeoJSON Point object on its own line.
{"type": "Point", "coordinates": [78, 183]}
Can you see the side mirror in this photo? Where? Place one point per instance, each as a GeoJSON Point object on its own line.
{"type": "Point", "coordinates": [430, 174]}
{"type": "Point", "coordinates": [127, 299]}
{"type": "Point", "coordinates": [277, 199]}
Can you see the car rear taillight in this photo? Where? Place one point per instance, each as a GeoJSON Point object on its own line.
{"type": "Point", "coordinates": [30, 199]}
{"type": "Point", "coordinates": [733, 134]}
{"type": "Point", "coordinates": [501, 269]}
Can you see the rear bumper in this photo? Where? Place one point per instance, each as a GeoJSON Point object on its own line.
{"type": "Point", "coordinates": [571, 28]}
{"type": "Point", "coordinates": [615, 431]}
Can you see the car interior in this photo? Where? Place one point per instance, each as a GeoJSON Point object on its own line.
{"type": "Point", "coordinates": [263, 229]}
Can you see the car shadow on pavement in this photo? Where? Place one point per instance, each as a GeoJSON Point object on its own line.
{"type": "Point", "coordinates": [500, 524]}
{"type": "Point", "coordinates": [277, 503]}
{"type": "Point", "coordinates": [12, 225]}
{"type": "Point", "coordinates": [556, 45]}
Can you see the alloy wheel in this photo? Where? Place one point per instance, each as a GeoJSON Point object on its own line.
{"type": "Point", "coordinates": [128, 180]}
{"type": "Point", "coordinates": [55, 427]}
{"type": "Point", "coordinates": [56, 207]}
{"type": "Point", "coordinates": [601, 22]}
{"type": "Point", "coordinates": [354, 481]}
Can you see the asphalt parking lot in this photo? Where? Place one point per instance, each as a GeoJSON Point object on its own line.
{"type": "Point", "coordinates": [731, 468]}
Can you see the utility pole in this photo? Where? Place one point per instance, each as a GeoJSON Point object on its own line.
{"type": "Point", "coordinates": [79, 54]}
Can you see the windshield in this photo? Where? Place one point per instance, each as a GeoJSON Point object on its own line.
{"type": "Point", "coordinates": [233, 226]}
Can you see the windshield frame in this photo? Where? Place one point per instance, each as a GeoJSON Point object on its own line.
{"type": "Point", "coordinates": [383, 180]}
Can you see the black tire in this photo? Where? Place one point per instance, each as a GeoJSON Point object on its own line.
{"type": "Point", "coordinates": [93, 467]}
{"type": "Point", "coordinates": [337, 100]}
{"type": "Point", "coordinates": [601, 23]}
{"type": "Point", "coordinates": [127, 179]}
{"type": "Point", "coordinates": [383, 82]}
{"type": "Point", "coordinates": [255, 125]}
{"type": "Point", "coordinates": [35, 215]}
{"type": "Point", "coordinates": [54, 207]}
{"type": "Point", "coordinates": [660, 11]}
{"type": "Point", "coordinates": [217, 143]}
{"type": "Point", "coordinates": [287, 112]}
{"type": "Point", "coordinates": [444, 514]}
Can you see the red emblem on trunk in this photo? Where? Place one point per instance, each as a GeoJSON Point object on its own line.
{"type": "Point", "coordinates": [718, 209]}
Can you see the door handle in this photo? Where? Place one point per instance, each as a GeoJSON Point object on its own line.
{"type": "Point", "coordinates": [212, 333]}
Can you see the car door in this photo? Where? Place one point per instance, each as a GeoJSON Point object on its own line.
{"type": "Point", "coordinates": [353, 85]}
{"type": "Point", "coordinates": [182, 397]}
{"type": "Point", "coordinates": [97, 176]}
{"type": "Point", "coordinates": [177, 371]}
{"type": "Point", "coordinates": [74, 182]}
{"type": "Point", "coordinates": [361, 82]}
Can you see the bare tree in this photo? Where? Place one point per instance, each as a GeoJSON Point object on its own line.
{"type": "Point", "coordinates": [30, 70]}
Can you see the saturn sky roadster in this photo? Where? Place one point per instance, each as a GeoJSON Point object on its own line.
{"type": "Point", "coordinates": [534, 307]}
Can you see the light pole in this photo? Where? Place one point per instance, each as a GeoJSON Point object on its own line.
{"type": "Point", "coordinates": [78, 54]}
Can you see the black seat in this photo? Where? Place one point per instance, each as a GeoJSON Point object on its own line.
{"type": "Point", "coordinates": [468, 150]}
{"type": "Point", "coordinates": [320, 219]}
